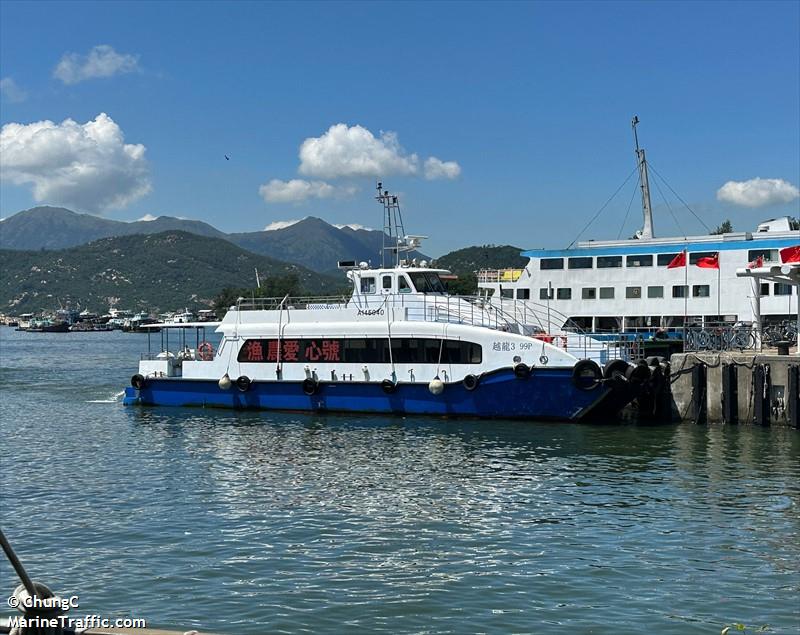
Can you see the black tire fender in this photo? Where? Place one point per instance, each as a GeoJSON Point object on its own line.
{"type": "Point", "coordinates": [586, 375]}
{"type": "Point", "coordinates": [522, 371]}
{"type": "Point", "coordinates": [638, 373]}
{"type": "Point", "coordinates": [310, 386]}
{"type": "Point", "coordinates": [138, 381]}
{"type": "Point", "coordinates": [470, 382]}
{"type": "Point", "coordinates": [243, 383]}
{"type": "Point", "coordinates": [388, 386]}
{"type": "Point", "coordinates": [614, 366]}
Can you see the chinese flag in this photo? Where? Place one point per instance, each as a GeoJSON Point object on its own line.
{"type": "Point", "coordinates": [758, 262]}
{"type": "Point", "coordinates": [678, 261]}
{"type": "Point", "coordinates": [709, 262]}
{"type": "Point", "coordinates": [790, 254]}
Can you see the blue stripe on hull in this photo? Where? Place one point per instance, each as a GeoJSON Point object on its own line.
{"type": "Point", "coordinates": [546, 394]}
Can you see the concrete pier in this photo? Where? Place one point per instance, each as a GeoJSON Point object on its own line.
{"type": "Point", "coordinates": [736, 387]}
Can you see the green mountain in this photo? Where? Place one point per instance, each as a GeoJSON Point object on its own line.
{"type": "Point", "coordinates": [154, 272]}
{"type": "Point", "coordinates": [465, 262]}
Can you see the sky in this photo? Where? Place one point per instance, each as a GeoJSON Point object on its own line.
{"type": "Point", "coordinates": [503, 123]}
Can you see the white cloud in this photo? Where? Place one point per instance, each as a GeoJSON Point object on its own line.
{"type": "Point", "coordinates": [282, 224]}
{"type": "Point", "coordinates": [758, 192]}
{"type": "Point", "coordinates": [147, 218]}
{"type": "Point", "coordinates": [437, 169]}
{"type": "Point", "coordinates": [11, 92]}
{"type": "Point", "coordinates": [87, 167]}
{"type": "Point", "coordinates": [101, 61]}
{"type": "Point", "coordinates": [355, 226]}
{"type": "Point", "coordinates": [299, 190]}
{"type": "Point", "coordinates": [353, 151]}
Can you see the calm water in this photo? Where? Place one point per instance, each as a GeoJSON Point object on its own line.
{"type": "Point", "coordinates": [256, 523]}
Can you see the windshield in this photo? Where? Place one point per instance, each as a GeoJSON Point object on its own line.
{"type": "Point", "coordinates": [427, 282]}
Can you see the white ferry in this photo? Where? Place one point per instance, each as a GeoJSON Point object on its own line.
{"type": "Point", "coordinates": [398, 344]}
{"type": "Point", "coordinates": [628, 286]}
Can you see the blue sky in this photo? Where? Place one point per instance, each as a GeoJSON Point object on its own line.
{"type": "Point", "coordinates": [518, 112]}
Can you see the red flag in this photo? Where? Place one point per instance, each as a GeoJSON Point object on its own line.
{"type": "Point", "coordinates": [790, 254]}
{"type": "Point", "coordinates": [757, 263]}
{"type": "Point", "coordinates": [678, 261]}
{"type": "Point", "coordinates": [709, 262]}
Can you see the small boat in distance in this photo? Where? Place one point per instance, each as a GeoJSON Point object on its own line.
{"type": "Point", "coordinates": [399, 344]}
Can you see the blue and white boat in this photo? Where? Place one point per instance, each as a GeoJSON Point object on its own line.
{"type": "Point", "coordinates": [399, 344]}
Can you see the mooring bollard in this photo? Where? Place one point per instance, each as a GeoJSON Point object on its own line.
{"type": "Point", "coordinates": [730, 394]}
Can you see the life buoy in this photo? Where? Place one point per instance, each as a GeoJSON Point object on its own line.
{"type": "Point", "coordinates": [205, 351]}
{"type": "Point", "coordinates": [243, 383]}
{"type": "Point", "coordinates": [388, 386]}
{"type": "Point", "coordinates": [470, 382]}
{"type": "Point", "coordinates": [138, 381]}
{"type": "Point", "coordinates": [310, 386]}
{"type": "Point", "coordinates": [522, 371]}
{"type": "Point", "coordinates": [586, 375]}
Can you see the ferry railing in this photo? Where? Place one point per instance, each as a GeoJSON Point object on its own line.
{"type": "Point", "coordinates": [721, 338]}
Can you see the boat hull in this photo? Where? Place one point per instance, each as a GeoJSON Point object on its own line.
{"type": "Point", "coordinates": [544, 394]}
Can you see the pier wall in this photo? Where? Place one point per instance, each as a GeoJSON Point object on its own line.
{"type": "Point", "coordinates": [734, 387]}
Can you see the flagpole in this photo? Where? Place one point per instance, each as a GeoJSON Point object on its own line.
{"type": "Point", "coordinates": [685, 293]}
{"type": "Point", "coordinates": [719, 289]}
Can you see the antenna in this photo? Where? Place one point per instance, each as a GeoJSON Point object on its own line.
{"type": "Point", "coordinates": [647, 211]}
{"type": "Point", "coordinates": [393, 229]}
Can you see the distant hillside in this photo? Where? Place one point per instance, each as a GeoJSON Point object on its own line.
{"type": "Point", "coordinates": [59, 228]}
{"type": "Point", "coordinates": [465, 262]}
{"type": "Point", "coordinates": [140, 272]}
{"type": "Point", "coordinates": [311, 242]}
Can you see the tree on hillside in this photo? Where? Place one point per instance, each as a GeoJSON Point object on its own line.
{"type": "Point", "coordinates": [725, 228]}
{"type": "Point", "coordinates": [272, 287]}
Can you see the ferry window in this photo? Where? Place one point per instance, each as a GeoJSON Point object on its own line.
{"type": "Point", "coordinates": [523, 294]}
{"type": "Point", "coordinates": [386, 282]}
{"type": "Point", "coordinates": [664, 259]}
{"type": "Point", "coordinates": [606, 293]}
{"type": "Point", "coordinates": [633, 292]}
{"type": "Point", "coordinates": [368, 285]}
{"type": "Point", "coordinates": [639, 261]}
{"type": "Point", "coordinates": [403, 285]}
{"type": "Point", "coordinates": [545, 294]}
{"type": "Point", "coordinates": [427, 282]}
{"type": "Point", "coordinates": [580, 263]}
{"type": "Point", "coordinates": [694, 257]}
{"type": "Point", "coordinates": [564, 294]}
{"type": "Point", "coordinates": [782, 288]}
{"type": "Point", "coordinates": [680, 291]}
{"type": "Point", "coordinates": [769, 255]}
{"type": "Point", "coordinates": [701, 291]}
{"type": "Point", "coordinates": [765, 288]}
{"type": "Point", "coordinates": [609, 262]}
{"type": "Point", "coordinates": [655, 292]}
{"type": "Point", "coordinates": [552, 263]}
{"type": "Point", "coordinates": [506, 293]}
{"type": "Point", "coordinates": [589, 293]}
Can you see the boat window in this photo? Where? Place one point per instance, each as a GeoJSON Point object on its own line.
{"type": "Point", "coordinates": [506, 293]}
{"type": "Point", "coordinates": [781, 288]}
{"type": "Point", "coordinates": [403, 285]}
{"type": "Point", "coordinates": [701, 291]}
{"type": "Point", "coordinates": [589, 293]}
{"type": "Point", "coordinates": [368, 284]}
{"type": "Point", "coordinates": [655, 292]}
{"type": "Point", "coordinates": [639, 261]}
{"type": "Point", "coordinates": [578, 323]}
{"type": "Point", "coordinates": [386, 282]}
{"type": "Point", "coordinates": [362, 350]}
{"type": "Point", "coordinates": [769, 255]}
{"type": "Point", "coordinates": [633, 292]}
{"type": "Point", "coordinates": [564, 293]}
{"type": "Point", "coordinates": [427, 282]}
{"type": "Point", "coordinates": [606, 293]}
{"type": "Point", "coordinates": [545, 294]}
{"type": "Point", "coordinates": [552, 263]}
{"type": "Point", "coordinates": [523, 294]}
{"type": "Point", "coordinates": [580, 263]}
{"type": "Point", "coordinates": [765, 288]}
{"type": "Point", "coordinates": [680, 291]}
{"type": "Point", "coordinates": [664, 259]}
{"type": "Point", "coordinates": [609, 262]}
